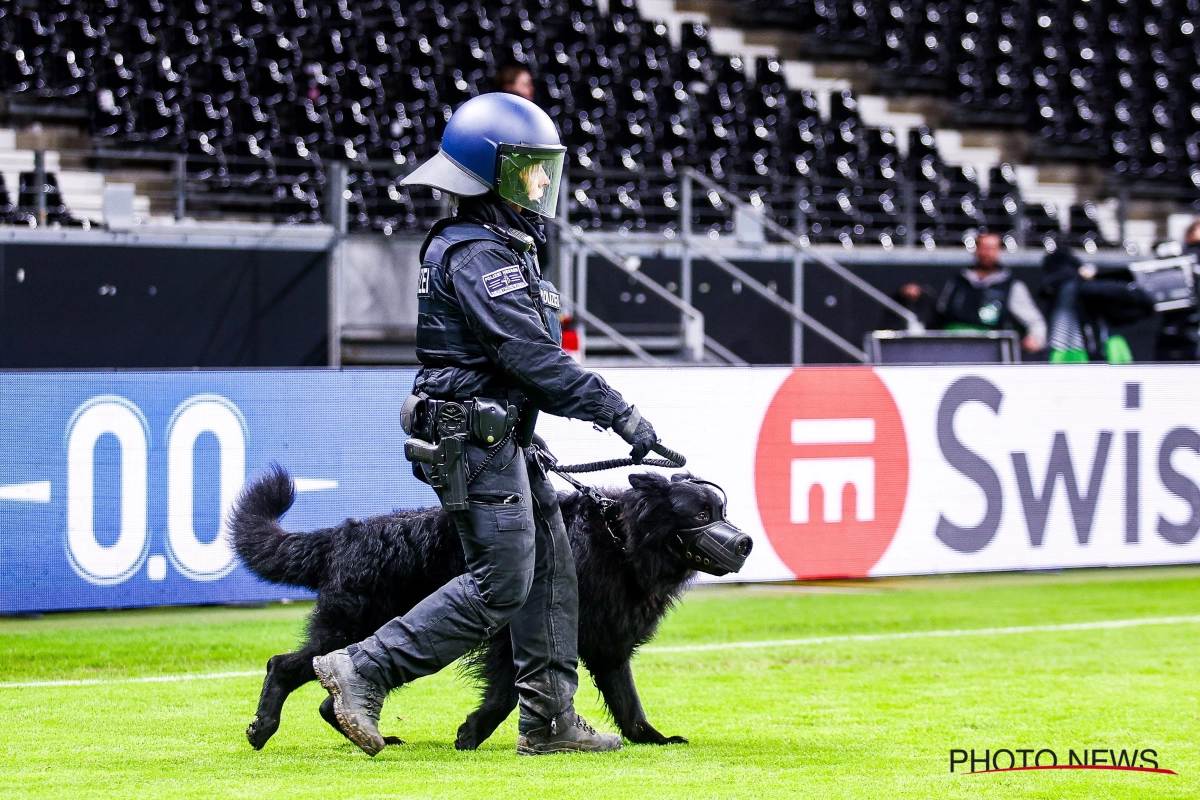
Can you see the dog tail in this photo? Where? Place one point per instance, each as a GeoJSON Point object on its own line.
{"type": "Point", "coordinates": [267, 550]}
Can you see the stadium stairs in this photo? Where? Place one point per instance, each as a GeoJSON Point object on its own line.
{"type": "Point", "coordinates": [809, 63]}
{"type": "Point", "coordinates": [74, 193]}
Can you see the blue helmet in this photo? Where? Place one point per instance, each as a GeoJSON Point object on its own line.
{"type": "Point", "coordinates": [498, 142]}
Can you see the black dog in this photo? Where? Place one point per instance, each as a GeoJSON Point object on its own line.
{"type": "Point", "coordinates": [630, 564]}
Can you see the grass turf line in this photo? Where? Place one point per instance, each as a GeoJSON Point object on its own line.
{"type": "Point", "coordinates": [843, 719]}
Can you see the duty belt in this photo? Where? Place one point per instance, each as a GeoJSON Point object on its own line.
{"type": "Point", "coordinates": [440, 430]}
{"type": "Point", "coordinates": [485, 420]}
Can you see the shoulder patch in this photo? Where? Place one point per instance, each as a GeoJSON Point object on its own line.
{"type": "Point", "coordinates": [423, 283]}
{"type": "Point", "coordinates": [551, 299]}
{"type": "Point", "coordinates": [504, 280]}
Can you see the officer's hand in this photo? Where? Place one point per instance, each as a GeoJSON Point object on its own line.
{"type": "Point", "coordinates": [637, 431]}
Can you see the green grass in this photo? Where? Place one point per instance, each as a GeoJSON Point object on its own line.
{"type": "Point", "coordinates": [853, 719]}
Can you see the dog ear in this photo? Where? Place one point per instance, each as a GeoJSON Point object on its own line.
{"type": "Point", "coordinates": [648, 482]}
{"type": "Point", "coordinates": [679, 477]}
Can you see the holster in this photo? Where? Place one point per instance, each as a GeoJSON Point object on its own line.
{"type": "Point", "coordinates": [526, 422]}
{"type": "Point", "coordinates": [449, 475]}
{"type": "Point", "coordinates": [440, 430]}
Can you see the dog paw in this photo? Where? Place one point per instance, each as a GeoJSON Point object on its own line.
{"type": "Point", "coordinates": [327, 714]}
{"type": "Point", "coordinates": [652, 736]}
{"type": "Point", "coordinates": [389, 740]}
{"type": "Point", "coordinates": [260, 731]}
{"type": "Point", "coordinates": [465, 743]}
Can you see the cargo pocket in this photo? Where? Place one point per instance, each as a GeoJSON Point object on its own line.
{"type": "Point", "coordinates": [512, 518]}
{"type": "Point", "coordinates": [489, 500]}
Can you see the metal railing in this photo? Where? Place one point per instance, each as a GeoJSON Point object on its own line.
{"type": "Point", "coordinates": [691, 320]}
{"type": "Point", "coordinates": [246, 186]}
{"type": "Point", "coordinates": [179, 172]}
{"type": "Point", "coordinates": [694, 339]}
{"type": "Point", "coordinates": [174, 166]}
{"type": "Point", "coordinates": [803, 249]}
{"type": "Point", "coordinates": [183, 187]}
{"type": "Point", "coordinates": [624, 341]}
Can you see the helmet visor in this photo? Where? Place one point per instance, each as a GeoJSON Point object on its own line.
{"type": "Point", "coordinates": [530, 176]}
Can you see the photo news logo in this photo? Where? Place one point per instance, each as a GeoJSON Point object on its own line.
{"type": "Point", "coordinates": [1020, 759]}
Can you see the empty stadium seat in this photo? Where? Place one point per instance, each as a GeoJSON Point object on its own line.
{"type": "Point", "coordinates": [263, 96]}
{"type": "Point", "coordinates": [1108, 82]}
{"type": "Point", "coordinates": [26, 211]}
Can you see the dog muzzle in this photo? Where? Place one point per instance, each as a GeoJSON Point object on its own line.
{"type": "Point", "coordinates": [717, 548]}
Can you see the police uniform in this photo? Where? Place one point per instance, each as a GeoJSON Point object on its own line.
{"type": "Point", "coordinates": [488, 340]}
{"type": "Point", "coordinates": [488, 328]}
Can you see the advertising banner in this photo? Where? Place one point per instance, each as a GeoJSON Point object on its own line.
{"type": "Point", "coordinates": [854, 471]}
{"type": "Point", "coordinates": [114, 486]}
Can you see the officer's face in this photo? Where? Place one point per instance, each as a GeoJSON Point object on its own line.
{"type": "Point", "coordinates": [536, 180]}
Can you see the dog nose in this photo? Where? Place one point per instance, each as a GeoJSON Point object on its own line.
{"type": "Point", "coordinates": [743, 545]}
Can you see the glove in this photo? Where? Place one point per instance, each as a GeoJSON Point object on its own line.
{"type": "Point", "coordinates": [637, 431]}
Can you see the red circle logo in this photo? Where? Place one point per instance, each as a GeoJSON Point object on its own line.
{"type": "Point", "coordinates": [831, 471]}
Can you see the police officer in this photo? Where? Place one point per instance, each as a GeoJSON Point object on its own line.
{"type": "Point", "coordinates": [489, 344]}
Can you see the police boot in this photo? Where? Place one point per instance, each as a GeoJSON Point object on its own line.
{"type": "Point", "coordinates": [329, 716]}
{"type": "Point", "coordinates": [357, 701]}
{"type": "Point", "coordinates": [566, 733]}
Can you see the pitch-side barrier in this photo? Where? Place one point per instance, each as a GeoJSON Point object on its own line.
{"type": "Point", "coordinates": [114, 486]}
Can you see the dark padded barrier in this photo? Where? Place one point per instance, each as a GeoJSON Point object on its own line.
{"type": "Point", "coordinates": [76, 306]}
{"type": "Point", "coordinates": [761, 333]}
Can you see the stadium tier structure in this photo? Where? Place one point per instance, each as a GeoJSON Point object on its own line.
{"type": "Point", "coordinates": [263, 96]}
{"type": "Point", "coordinates": [889, 133]}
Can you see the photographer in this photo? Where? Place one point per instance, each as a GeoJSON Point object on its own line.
{"type": "Point", "coordinates": [1179, 333]}
{"type": "Point", "coordinates": [1085, 306]}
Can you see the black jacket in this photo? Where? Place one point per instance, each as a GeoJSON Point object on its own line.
{"type": "Point", "coordinates": [967, 303]}
{"type": "Point", "coordinates": [487, 324]}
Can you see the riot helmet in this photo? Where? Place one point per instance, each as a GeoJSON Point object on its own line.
{"type": "Point", "coordinates": [498, 142]}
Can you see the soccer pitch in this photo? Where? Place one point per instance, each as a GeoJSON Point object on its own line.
{"type": "Point", "coordinates": [820, 698]}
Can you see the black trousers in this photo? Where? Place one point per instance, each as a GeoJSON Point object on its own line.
{"type": "Point", "coordinates": [520, 573]}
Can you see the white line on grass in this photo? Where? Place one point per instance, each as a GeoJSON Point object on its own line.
{"type": "Point", "coordinates": [201, 676]}
{"type": "Point", "coordinates": [881, 637]}
{"type": "Point", "coordinates": [699, 648]}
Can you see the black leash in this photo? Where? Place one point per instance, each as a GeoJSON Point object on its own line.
{"type": "Point", "coordinates": [675, 461]}
{"type": "Point", "coordinates": [609, 510]}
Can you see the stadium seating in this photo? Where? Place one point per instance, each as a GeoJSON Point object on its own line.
{"type": "Point", "coordinates": [263, 95]}
{"type": "Point", "coordinates": [1107, 80]}
{"type": "Point", "coordinates": [56, 209]}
